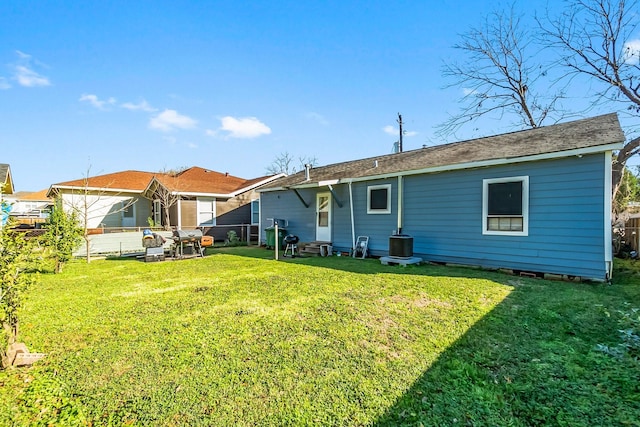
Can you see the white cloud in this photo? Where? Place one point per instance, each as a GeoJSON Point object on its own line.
{"type": "Point", "coordinates": [317, 117]}
{"type": "Point", "coordinates": [29, 78]}
{"type": "Point", "coordinates": [632, 52]}
{"type": "Point", "coordinates": [23, 55]}
{"type": "Point", "coordinates": [140, 106]}
{"type": "Point", "coordinates": [170, 120]}
{"type": "Point", "coordinates": [390, 130]}
{"type": "Point", "coordinates": [211, 132]}
{"type": "Point", "coordinates": [467, 91]}
{"type": "Point", "coordinates": [245, 127]}
{"type": "Point", "coordinates": [95, 101]}
{"type": "Point", "coordinates": [24, 73]}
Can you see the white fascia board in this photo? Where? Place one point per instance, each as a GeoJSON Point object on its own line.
{"type": "Point", "coordinates": [329, 182]}
{"type": "Point", "coordinates": [52, 192]}
{"type": "Point", "coordinates": [154, 180]}
{"type": "Point", "coordinates": [257, 184]}
{"type": "Point", "coordinates": [105, 190]}
{"type": "Point", "coordinates": [269, 190]}
{"type": "Point", "coordinates": [216, 195]}
{"type": "Point", "coordinates": [494, 162]}
{"type": "Point", "coordinates": [296, 186]}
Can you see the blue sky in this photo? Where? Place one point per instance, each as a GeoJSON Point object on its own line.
{"type": "Point", "coordinates": [100, 87]}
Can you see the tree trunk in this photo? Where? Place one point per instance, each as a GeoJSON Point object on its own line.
{"type": "Point", "coordinates": [630, 149]}
{"type": "Point", "coordinates": [167, 219]}
{"type": "Point", "coordinates": [87, 244]}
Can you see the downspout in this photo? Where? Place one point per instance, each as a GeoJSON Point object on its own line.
{"type": "Point", "coordinates": [179, 213]}
{"type": "Point", "coordinates": [400, 202]}
{"type": "Point", "coordinates": [608, 242]}
{"type": "Point", "coordinates": [353, 225]}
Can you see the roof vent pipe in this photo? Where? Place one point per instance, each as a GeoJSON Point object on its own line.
{"type": "Point", "coordinates": [307, 168]}
{"type": "Point", "coordinates": [375, 163]}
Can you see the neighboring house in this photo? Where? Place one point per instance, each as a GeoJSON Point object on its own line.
{"type": "Point", "coordinates": [6, 188]}
{"type": "Point", "coordinates": [30, 207]}
{"type": "Point", "coordinates": [6, 182]}
{"type": "Point", "coordinates": [536, 200]}
{"type": "Point", "coordinates": [111, 200]}
{"type": "Point", "coordinates": [195, 197]}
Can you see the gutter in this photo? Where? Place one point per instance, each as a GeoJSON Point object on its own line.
{"type": "Point", "coordinates": [400, 203]}
{"type": "Point", "coordinates": [353, 224]}
{"type": "Point", "coordinates": [109, 190]}
{"type": "Point", "coordinates": [608, 238]}
{"type": "Point", "coordinates": [459, 166]}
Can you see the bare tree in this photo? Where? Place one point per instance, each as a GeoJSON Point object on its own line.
{"type": "Point", "coordinates": [163, 189]}
{"type": "Point", "coordinates": [86, 205]}
{"type": "Point", "coordinates": [285, 163]}
{"type": "Point", "coordinates": [595, 40]}
{"type": "Point", "coordinates": [500, 73]}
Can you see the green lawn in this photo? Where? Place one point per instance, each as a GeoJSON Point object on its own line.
{"type": "Point", "coordinates": [237, 338]}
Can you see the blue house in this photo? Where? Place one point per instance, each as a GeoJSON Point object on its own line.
{"type": "Point", "coordinates": [534, 201]}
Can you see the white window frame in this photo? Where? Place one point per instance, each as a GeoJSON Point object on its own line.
{"type": "Point", "coordinates": [257, 201]}
{"type": "Point", "coordinates": [525, 206]}
{"type": "Point", "coordinates": [379, 211]}
{"type": "Point", "coordinates": [210, 204]}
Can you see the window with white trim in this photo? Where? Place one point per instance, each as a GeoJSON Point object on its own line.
{"type": "Point", "coordinates": [379, 199]}
{"type": "Point", "coordinates": [505, 206]}
{"type": "Point", "coordinates": [157, 212]}
{"type": "Point", "coordinates": [206, 212]}
{"type": "Point", "coordinates": [255, 212]}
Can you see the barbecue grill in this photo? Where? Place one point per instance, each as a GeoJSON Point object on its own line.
{"type": "Point", "coordinates": [187, 242]}
{"type": "Point", "coordinates": [292, 245]}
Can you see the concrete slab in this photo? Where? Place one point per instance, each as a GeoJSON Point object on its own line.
{"type": "Point", "coordinates": [389, 260]}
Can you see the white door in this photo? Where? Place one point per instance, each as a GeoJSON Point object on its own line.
{"type": "Point", "coordinates": [323, 217]}
{"type": "Point", "coordinates": [128, 213]}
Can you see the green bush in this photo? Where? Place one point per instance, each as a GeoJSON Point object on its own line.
{"type": "Point", "coordinates": [63, 235]}
{"type": "Point", "coordinates": [16, 260]}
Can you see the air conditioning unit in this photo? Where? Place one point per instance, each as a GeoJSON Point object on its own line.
{"type": "Point", "coordinates": [400, 246]}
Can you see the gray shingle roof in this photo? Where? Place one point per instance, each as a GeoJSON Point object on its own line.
{"type": "Point", "coordinates": [582, 134]}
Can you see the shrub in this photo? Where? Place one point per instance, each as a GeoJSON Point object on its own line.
{"type": "Point", "coordinates": [16, 259]}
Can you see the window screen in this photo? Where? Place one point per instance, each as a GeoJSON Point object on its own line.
{"type": "Point", "coordinates": [378, 199]}
{"type": "Point", "coordinates": [505, 198]}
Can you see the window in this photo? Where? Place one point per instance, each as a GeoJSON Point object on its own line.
{"type": "Point", "coordinates": [127, 208]}
{"type": "Point", "coordinates": [157, 212]}
{"type": "Point", "coordinates": [206, 212]}
{"type": "Point", "coordinates": [255, 212]}
{"type": "Point", "coordinates": [379, 199]}
{"type": "Point", "coordinates": [505, 206]}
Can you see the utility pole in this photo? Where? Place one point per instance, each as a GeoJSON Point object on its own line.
{"type": "Point", "coordinates": [400, 124]}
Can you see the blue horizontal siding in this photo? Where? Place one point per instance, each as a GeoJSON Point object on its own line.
{"type": "Point", "coordinates": [286, 205]}
{"type": "Point", "coordinates": [566, 223]}
{"type": "Point", "coordinates": [443, 213]}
